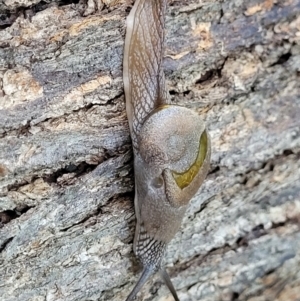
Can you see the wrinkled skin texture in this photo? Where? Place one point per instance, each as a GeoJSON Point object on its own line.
{"type": "Point", "coordinates": [170, 143]}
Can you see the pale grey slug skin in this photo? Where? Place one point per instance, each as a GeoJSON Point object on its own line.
{"type": "Point", "coordinates": [171, 146]}
{"type": "Point", "coordinates": [176, 132]}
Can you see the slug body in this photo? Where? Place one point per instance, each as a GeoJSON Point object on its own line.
{"type": "Point", "coordinates": [170, 144]}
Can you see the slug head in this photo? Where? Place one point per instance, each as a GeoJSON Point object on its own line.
{"type": "Point", "coordinates": [172, 162]}
{"type": "Point", "coordinates": [170, 165]}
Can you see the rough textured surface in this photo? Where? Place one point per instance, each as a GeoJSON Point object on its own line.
{"type": "Point", "coordinates": [66, 179]}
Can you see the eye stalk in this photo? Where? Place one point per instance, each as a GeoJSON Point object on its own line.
{"type": "Point", "coordinates": [158, 182]}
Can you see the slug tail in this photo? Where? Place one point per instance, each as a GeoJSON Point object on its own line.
{"type": "Point", "coordinates": [165, 276]}
{"type": "Point", "coordinates": [147, 272]}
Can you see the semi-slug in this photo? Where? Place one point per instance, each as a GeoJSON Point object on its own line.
{"type": "Point", "coordinates": [170, 143]}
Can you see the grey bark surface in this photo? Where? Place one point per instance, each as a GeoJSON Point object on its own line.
{"type": "Point", "coordinates": [66, 178]}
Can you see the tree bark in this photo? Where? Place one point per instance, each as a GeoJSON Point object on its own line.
{"type": "Point", "coordinates": [66, 179]}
